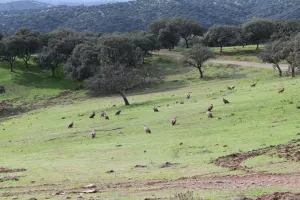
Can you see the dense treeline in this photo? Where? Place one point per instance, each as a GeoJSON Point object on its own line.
{"type": "Point", "coordinates": [108, 63]}
{"type": "Point", "coordinates": [22, 5]}
{"type": "Point", "coordinates": [137, 15]}
{"type": "Point", "coordinates": [114, 63]}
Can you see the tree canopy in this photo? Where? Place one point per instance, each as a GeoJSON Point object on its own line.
{"type": "Point", "coordinates": [259, 30]}
{"type": "Point", "coordinates": [197, 56]}
{"type": "Point", "coordinates": [222, 35]}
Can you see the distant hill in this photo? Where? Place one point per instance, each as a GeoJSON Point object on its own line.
{"type": "Point", "coordinates": [132, 15]}
{"type": "Point", "coordinates": [80, 2]}
{"type": "Point", "coordinates": [22, 5]}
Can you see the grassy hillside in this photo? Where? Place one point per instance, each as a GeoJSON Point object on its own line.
{"type": "Point", "coordinates": [57, 158]}
{"type": "Point", "coordinates": [137, 15]}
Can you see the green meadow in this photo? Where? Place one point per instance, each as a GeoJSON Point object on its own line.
{"type": "Point", "coordinates": [60, 159]}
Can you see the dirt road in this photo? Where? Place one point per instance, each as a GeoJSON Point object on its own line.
{"type": "Point", "coordinates": [178, 56]}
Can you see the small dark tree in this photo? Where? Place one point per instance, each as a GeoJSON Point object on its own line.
{"type": "Point", "coordinates": [50, 59]}
{"type": "Point", "coordinates": [221, 35]}
{"type": "Point", "coordinates": [197, 56]}
{"type": "Point", "coordinates": [185, 28]}
{"type": "Point", "coordinates": [273, 53]}
{"type": "Point", "coordinates": [83, 63]}
{"type": "Point", "coordinates": [259, 30]}
{"type": "Point", "coordinates": [29, 43]}
{"type": "Point", "coordinates": [168, 38]}
{"type": "Point", "coordinates": [9, 50]}
{"type": "Point", "coordinates": [146, 42]}
{"type": "Point", "coordinates": [157, 25]}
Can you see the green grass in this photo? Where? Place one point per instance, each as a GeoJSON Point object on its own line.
{"type": "Point", "coordinates": [239, 53]}
{"type": "Point", "coordinates": [31, 85]}
{"type": "Point", "coordinates": [53, 154]}
{"type": "Point", "coordinates": [235, 53]}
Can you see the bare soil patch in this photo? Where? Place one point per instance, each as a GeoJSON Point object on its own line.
{"type": "Point", "coordinates": [178, 56]}
{"type": "Point", "coordinates": [275, 196]}
{"type": "Point", "coordinates": [209, 181]}
{"type": "Point", "coordinates": [5, 170]}
{"type": "Point", "coordinates": [9, 178]}
{"type": "Point", "coordinates": [280, 196]}
{"type": "Point", "coordinates": [290, 151]}
{"type": "Point", "coordinates": [7, 110]}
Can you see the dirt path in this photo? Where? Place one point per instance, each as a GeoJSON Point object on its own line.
{"type": "Point", "coordinates": [178, 56]}
{"type": "Point", "coordinates": [210, 182]}
{"type": "Point", "coordinates": [250, 180]}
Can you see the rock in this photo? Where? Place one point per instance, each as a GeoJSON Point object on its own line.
{"type": "Point", "coordinates": [110, 171]}
{"type": "Point", "coordinates": [89, 191]}
{"type": "Point", "coordinates": [58, 193]}
{"type": "Point", "coordinates": [90, 186]}
{"type": "Point", "coordinates": [33, 199]}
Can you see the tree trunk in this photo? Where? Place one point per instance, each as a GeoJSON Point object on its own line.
{"type": "Point", "coordinates": [186, 43]}
{"type": "Point", "coordinates": [221, 49]}
{"type": "Point", "coordinates": [123, 94]}
{"type": "Point", "coordinates": [293, 71]}
{"type": "Point", "coordinates": [11, 66]}
{"type": "Point", "coordinates": [257, 46]}
{"type": "Point", "coordinates": [26, 63]}
{"type": "Point", "coordinates": [279, 70]}
{"type": "Point", "coordinates": [52, 69]}
{"type": "Point", "coordinates": [201, 72]}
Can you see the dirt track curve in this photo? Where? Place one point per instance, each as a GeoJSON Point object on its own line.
{"type": "Point", "coordinates": [178, 56]}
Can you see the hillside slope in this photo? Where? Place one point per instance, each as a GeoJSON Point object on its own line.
{"type": "Point", "coordinates": [22, 5]}
{"type": "Point", "coordinates": [42, 158]}
{"type": "Point", "coordinates": [127, 16]}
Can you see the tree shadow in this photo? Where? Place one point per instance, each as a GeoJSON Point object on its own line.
{"type": "Point", "coordinates": [224, 77]}
{"type": "Point", "coordinates": [41, 78]}
{"type": "Point", "coordinates": [238, 52]}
